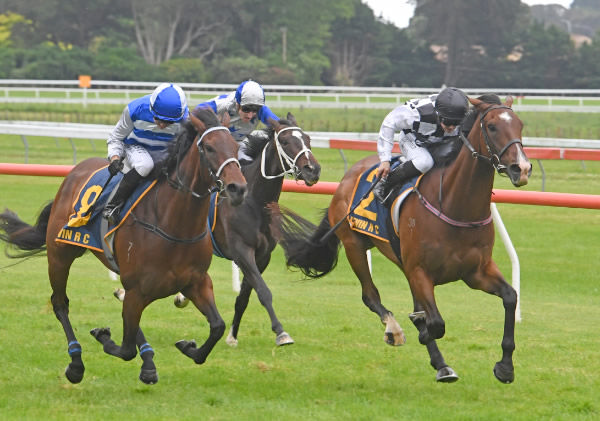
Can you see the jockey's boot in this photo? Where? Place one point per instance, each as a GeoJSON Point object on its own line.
{"type": "Point", "coordinates": [383, 191]}
{"type": "Point", "coordinates": [128, 184]}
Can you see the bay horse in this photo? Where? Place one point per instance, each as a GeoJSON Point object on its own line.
{"type": "Point", "coordinates": [161, 249]}
{"type": "Point", "coordinates": [245, 233]}
{"type": "Point", "coordinates": [444, 232]}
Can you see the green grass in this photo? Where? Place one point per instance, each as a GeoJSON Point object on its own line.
{"type": "Point", "coordinates": [339, 367]}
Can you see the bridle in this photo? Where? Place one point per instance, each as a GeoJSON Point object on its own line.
{"type": "Point", "coordinates": [494, 158]}
{"type": "Point", "coordinates": [283, 156]}
{"type": "Point", "coordinates": [178, 184]}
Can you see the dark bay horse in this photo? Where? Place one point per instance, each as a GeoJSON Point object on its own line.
{"type": "Point", "coordinates": [244, 233]}
{"type": "Point", "coordinates": [161, 249]}
{"type": "Point", "coordinates": [444, 233]}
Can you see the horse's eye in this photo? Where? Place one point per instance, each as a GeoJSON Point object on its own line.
{"type": "Point", "coordinates": [492, 127]}
{"type": "Point", "coordinates": [209, 149]}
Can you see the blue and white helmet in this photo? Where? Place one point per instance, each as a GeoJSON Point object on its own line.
{"type": "Point", "coordinates": [168, 103]}
{"type": "Point", "coordinates": [250, 93]}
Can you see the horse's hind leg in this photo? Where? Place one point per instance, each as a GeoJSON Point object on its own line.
{"type": "Point", "coordinates": [491, 281]}
{"type": "Point", "coordinates": [445, 373]}
{"type": "Point", "coordinates": [356, 254]}
{"type": "Point", "coordinates": [241, 303]}
{"type": "Point", "coordinates": [58, 273]}
{"type": "Point", "coordinates": [201, 294]}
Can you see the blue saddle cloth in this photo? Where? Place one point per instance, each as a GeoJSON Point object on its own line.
{"type": "Point", "coordinates": [83, 228]}
{"type": "Point", "coordinates": [369, 216]}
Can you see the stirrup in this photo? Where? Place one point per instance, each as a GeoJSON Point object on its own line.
{"type": "Point", "coordinates": [112, 214]}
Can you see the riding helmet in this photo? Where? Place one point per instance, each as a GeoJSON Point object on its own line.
{"type": "Point", "coordinates": [452, 104]}
{"type": "Point", "coordinates": [250, 93]}
{"type": "Point", "coordinates": [168, 103]}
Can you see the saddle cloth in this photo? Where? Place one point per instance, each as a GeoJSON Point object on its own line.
{"type": "Point", "coordinates": [369, 216]}
{"type": "Point", "coordinates": [83, 228]}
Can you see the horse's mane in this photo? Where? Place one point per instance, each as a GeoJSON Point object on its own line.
{"type": "Point", "coordinates": [469, 120]}
{"type": "Point", "coordinates": [256, 139]}
{"type": "Point", "coordinates": [180, 145]}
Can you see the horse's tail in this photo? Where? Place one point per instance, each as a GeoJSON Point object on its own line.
{"type": "Point", "coordinates": [301, 241]}
{"type": "Point", "coordinates": [22, 236]}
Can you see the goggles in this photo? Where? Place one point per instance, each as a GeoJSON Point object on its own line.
{"type": "Point", "coordinates": [449, 121]}
{"type": "Point", "coordinates": [165, 122]}
{"type": "Point", "coordinates": [251, 108]}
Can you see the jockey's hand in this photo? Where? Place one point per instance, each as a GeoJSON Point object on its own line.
{"type": "Point", "coordinates": [115, 166]}
{"type": "Point", "coordinates": [383, 170]}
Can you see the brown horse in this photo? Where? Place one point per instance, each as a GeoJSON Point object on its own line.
{"type": "Point", "coordinates": [433, 244]}
{"type": "Point", "coordinates": [161, 249]}
{"type": "Point", "coordinates": [244, 233]}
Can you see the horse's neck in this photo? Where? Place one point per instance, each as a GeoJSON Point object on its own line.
{"type": "Point", "coordinates": [265, 190]}
{"type": "Point", "coordinates": [467, 183]}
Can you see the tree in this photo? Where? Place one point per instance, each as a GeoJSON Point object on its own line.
{"type": "Point", "coordinates": [166, 29]}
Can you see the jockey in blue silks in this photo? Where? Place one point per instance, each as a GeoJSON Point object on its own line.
{"type": "Point", "coordinates": [246, 108]}
{"type": "Point", "coordinates": [141, 137]}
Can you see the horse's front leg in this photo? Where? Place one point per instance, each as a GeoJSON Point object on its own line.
{"type": "Point", "coordinates": [491, 281]}
{"type": "Point", "coordinates": [357, 257]}
{"type": "Point", "coordinates": [133, 306]}
{"type": "Point", "coordinates": [241, 303]}
{"type": "Point", "coordinates": [200, 292]}
{"type": "Point", "coordinates": [253, 278]}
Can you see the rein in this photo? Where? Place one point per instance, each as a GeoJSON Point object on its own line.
{"type": "Point", "coordinates": [283, 156]}
{"type": "Point", "coordinates": [178, 184]}
{"type": "Point", "coordinates": [493, 160]}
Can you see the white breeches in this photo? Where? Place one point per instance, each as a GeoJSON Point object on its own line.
{"type": "Point", "coordinates": [141, 159]}
{"type": "Point", "coordinates": [420, 156]}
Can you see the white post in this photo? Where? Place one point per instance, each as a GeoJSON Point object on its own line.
{"type": "Point", "coordinates": [369, 260]}
{"type": "Point", "coordinates": [235, 274]}
{"type": "Point", "coordinates": [516, 269]}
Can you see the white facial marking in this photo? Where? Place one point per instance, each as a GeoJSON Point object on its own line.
{"type": "Point", "coordinates": [297, 133]}
{"type": "Point", "coordinates": [506, 116]}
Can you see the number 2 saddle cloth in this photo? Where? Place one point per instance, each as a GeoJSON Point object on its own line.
{"type": "Point", "coordinates": [369, 216]}
{"type": "Point", "coordinates": [84, 227]}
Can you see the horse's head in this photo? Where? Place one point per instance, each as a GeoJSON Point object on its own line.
{"type": "Point", "coordinates": [218, 151]}
{"type": "Point", "coordinates": [500, 135]}
{"type": "Point", "coordinates": [293, 148]}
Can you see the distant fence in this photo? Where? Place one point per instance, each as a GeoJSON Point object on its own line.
{"type": "Point", "coordinates": [538, 148]}
{"type": "Point", "coordinates": [121, 92]}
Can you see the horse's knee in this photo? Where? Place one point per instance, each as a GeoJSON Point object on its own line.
{"type": "Point", "coordinates": [436, 328]}
{"type": "Point", "coordinates": [509, 298]}
{"type": "Point", "coordinates": [217, 330]}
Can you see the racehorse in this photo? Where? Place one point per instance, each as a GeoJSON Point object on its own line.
{"type": "Point", "coordinates": [162, 248]}
{"type": "Point", "coordinates": [245, 233]}
{"type": "Point", "coordinates": [444, 232]}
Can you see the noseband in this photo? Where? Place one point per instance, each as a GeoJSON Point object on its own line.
{"type": "Point", "coordinates": [283, 156]}
{"type": "Point", "coordinates": [494, 158]}
{"type": "Point", "coordinates": [216, 176]}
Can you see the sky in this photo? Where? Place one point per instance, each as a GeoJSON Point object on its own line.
{"type": "Point", "coordinates": [399, 12]}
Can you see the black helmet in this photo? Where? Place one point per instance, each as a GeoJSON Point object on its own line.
{"type": "Point", "coordinates": [451, 105]}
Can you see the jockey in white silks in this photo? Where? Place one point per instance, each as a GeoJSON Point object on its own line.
{"type": "Point", "coordinates": [246, 109]}
{"type": "Point", "coordinates": [421, 123]}
{"type": "Point", "coordinates": [141, 138]}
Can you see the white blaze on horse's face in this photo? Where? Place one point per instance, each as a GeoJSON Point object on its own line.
{"type": "Point", "coordinates": [297, 133]}
{"type": "Point", "coordinates": [505, 116]}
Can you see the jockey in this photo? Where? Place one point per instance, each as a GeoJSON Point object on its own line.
{"type": "Point", "coordinates": [141, 138]}
{"type": "Point", "coordinates": [246, 108]}
{"type": "Point", "coordinates": [421, 123]}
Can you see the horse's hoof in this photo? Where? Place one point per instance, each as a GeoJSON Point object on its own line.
{"type": "Point", "coordinates": [186, 346]}
{"type": "Point", "coordinates": [99, 332]}
{"type": "Point", "coordinates": [283, 339]}
{"type": "Point", "coordinates": [119, 294]}
{"type": "Point", "coordinates": [446, 375]}
{"type": "Point", "coordinates": [180, 301]}
{"type": "Point", "coordinates": [149, 376]}
{"type": "Point", "coordinates": [504, 375]}
{"type": "Point", "coordinates": [74, 372]}
{"type": "Point", "coordinates": [231, 341]}
{"type": "Point", "coordinates": [394, 340]}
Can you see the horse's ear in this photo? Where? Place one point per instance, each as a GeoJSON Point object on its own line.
{"type": "Point", "coordinates": [509, 101]}
{"type": "Point", "coordinates": [198, 124]}
{"type": "Point", "coordinates": [474, 101]}
{"type": "Point", "coordinates": [274, 123]}
{"type": "Point", "coordinates": [290, 117]}
{"type": "Point", "coordinates": [225, 118]}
